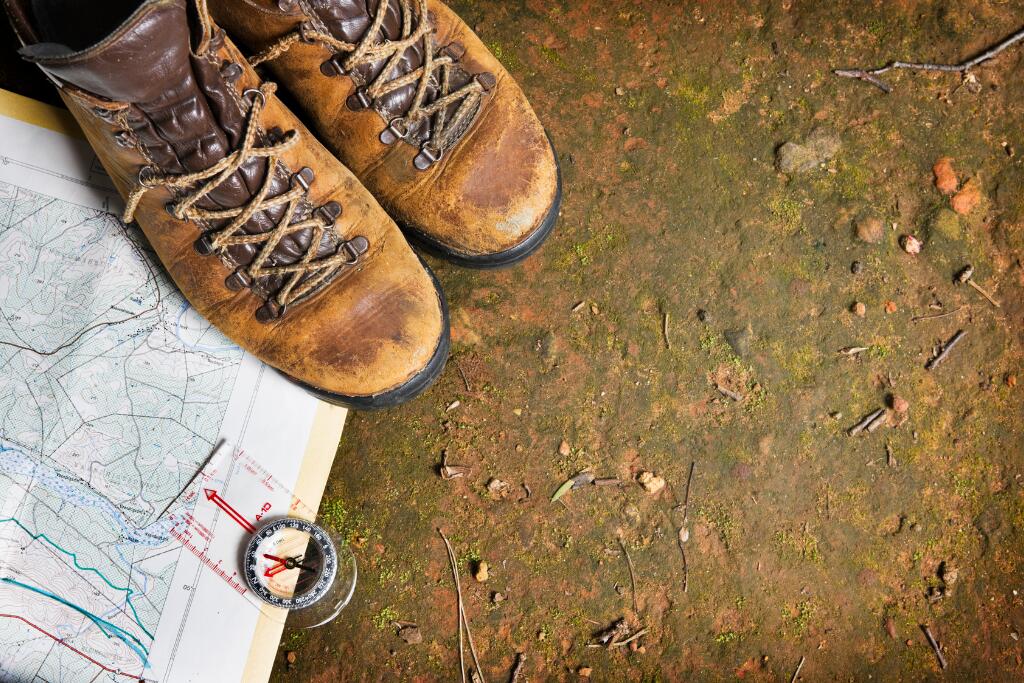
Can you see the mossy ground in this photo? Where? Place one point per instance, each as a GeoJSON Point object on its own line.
{"type": "Point", "coordinates": [803, 541]}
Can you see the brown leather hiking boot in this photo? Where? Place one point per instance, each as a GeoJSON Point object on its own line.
{"type": "Point", "coordinates": [409, 98]}
{"type": "Point", "coordinates": [267, 235]}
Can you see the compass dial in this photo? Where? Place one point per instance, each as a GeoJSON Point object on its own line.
{"type": "Point", "coordinates": [290, 563]}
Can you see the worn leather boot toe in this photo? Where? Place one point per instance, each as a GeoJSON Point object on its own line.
{"type": "Point", "coordinates": [266, 234]}
{"type": "Point", "coordinates": [410, 99]}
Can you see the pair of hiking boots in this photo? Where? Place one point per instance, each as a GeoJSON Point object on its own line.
{"type": "Point", "coordinates": [278, 237]}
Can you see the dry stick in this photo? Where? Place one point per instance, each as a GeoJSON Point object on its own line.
{"type": "Point", "coordinates": [686, 519]}
{"type": "Point", "coordinates": [664, 331]}
{"type": "Point", "coordinates": [797, 672]}
{"type": "Point", "coordinates": [517, 668]}
{"type": "Point", "coordinates": [919, 318]}
{"type": "Point", "coordinates": [935, 645]}
{"type": "Point", "coordinates": [941, 356]}
{"type": "Point", "coordinates": [863, 424]}
{"type": "Point", "coordinates": [620, 643]}
{"type": "Point", "coordinates": [632, 574]}
{"type": "Point", "coordinates": [464, 380]}
{"type": "Point", "coordinates": [871, 75]}
{"type": "Point", "coordinates": [464, 621]}
{"type": "Point", "coordinates": [985, 294]}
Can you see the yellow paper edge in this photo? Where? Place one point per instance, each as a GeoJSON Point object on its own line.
{"type": "Point", "coordinates": [328, 423]}
{"type": "Point", "coordinates": [39, 114]}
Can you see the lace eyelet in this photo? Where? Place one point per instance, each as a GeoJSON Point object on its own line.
{"type": "Point", "coordinates": [358, 100]}
{"type": "Point", "coordinates": [304, 178]}
{"type": "Point", "coordinates": [396, 130]}
{"type": "Point", "coordinates": [270, 311]}
{"type": "Point", "coordinates": [255, 92]}
{"type": "Point", "coordinates": [238, 280]}
{"type": "Point", "coordinates": [147, 174]}
{"type": "Point", "coordinates": [330, 212]}
{"type": "Point", "coordinates": [355, 248]}
{"type": "Point", "coordinates": [203, 245]}
{"type": "Point", "coordinates": [428, 156]}
{"type": "Point", "coordinates": [332, 67]}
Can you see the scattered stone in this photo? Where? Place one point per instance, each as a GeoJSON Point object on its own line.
{"type": "Point", "coordinates": [899, 404]}
{"type": "Point", "coordinates": [1011, 381]}
{"type": "Point", "coordinates": [967, 199]}
{"type": "Point", "coordinates": [563, 448]}
{"type": "Point", "coordinates": [482, 572]}
{"type": "Point", "coordinates": [497, 597]}
{"type": "Point", "coordinates": [411, 634]}
{"type": "Point", "coordinates": [870, 229]}
{"type": "Point", "coordinates": [703, 315]}
{"type": "Point", "coordinates": [584, 671]}
{"type": "Point", "coordinates": [290, 657]}
{"type": "Point", "coordinates": [739, 340]}
{"type": "Point", "coordinates": [651, 482]}
{"type": "Point", "coordinates": [910, 244]}
{"type": "Point", "coordinates": [594, 310]}
{"type": "Point", "coordinates": [859, 309]}
{"type": "Point", "coordinates": [453, 405]}
{"type": "Point", "coordinates": [819, 147]}
{"type": "Point", "coordinates": [856, 267]}
{"type": "Point", "coordinates": [518, 412]}
{"type": "Point", "coordinates": [890, 627]}
{"type": "Point", "coordinates": [620, 91]}
{"type": "Point", "coordinates": [547, 346]}
{"type": "Point", "coordinates": [542, 635]}
{"type": "Point", "coordinates": [890, 306]}
{"type": "Point", "coordinates": [945, 176]}
{"type": "Point", "coordinates": [497, 488]}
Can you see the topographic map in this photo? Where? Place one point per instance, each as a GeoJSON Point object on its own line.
{"type": "Point", "coordinates": [113, 392]}
{"type": "Point", "coordinates": [109, 402]}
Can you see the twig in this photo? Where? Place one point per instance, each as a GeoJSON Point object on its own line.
{"type": "Point", "coordinates": [797, 672]}
{"type": "Point", "coordinates": [632, 574]}
{"type": "Point", "coordinates": [941, 355]}
{"type": "Point", "coordinates": [919, 318]}
{"type": "Point", "coordinates": [686, 494]}
{"type": "Point", "coordinates": [627, 641]}
{"type": "Point", "coordinates": [935, 645]}
{"type": "Point", "coordinates": [664, 331]}
{"type": "Point", "coordinates": [517, 668]}
{"type": "Point", "coordinates": [865, 423]}
{"type": "Point", "coordinates": [463, 621]}
{"type": "Point", "coordinates": [728, 393]}
{"type": "Point", "coordinates": [985, 294]}
{"type": "Point", "coordinates": [464, 380]}
{"type": "Point", "coordinates": [871, 75]}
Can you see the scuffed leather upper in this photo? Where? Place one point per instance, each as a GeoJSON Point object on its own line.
{"type": "Point", "coordinates": [144, 97]}
{"type": "Point", "coordinates": [489, 193]}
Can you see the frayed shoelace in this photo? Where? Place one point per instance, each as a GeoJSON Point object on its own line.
{"type": "Point", "coordinates": [303, 276]}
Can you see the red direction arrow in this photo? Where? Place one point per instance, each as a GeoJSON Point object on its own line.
{"type": "Point", "coordinates": [213, 496]}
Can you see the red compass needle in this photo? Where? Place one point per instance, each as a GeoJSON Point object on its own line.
{"type": "Point", "coordinates": [275, 558]}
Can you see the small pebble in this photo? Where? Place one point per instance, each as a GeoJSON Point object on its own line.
{"type": "Point", "coordinates": [899, 404]}
{"type": "Point", "coordinates": [482, 572]}
{"type": "Point", "coordinates": [1011, 381]}
{"type": "Point", "coordinates": [291, 657]}
{"type": "Point", "coordinates": [945, 177]}
{"type": "Point", "coordinates": [910, 244]}
{"type": "Point", "coordinates": [890, 306]}
{"type": "Point", "coordinates": [703, 315]}
{"type": "Point", "coordinates": [563, 448]}
{"type": "Point", "coordinates": [856, 267]}
{"type": "Point", "coordinates": [584, 671]}
{"type": "Point", "coordinates": [859, 309]}
{"type": "Point", "coordinates": [651, 482]}
{"type": "Point", "coordinates": [497, 597]}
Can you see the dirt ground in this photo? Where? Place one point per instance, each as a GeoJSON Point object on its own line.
{"type": "Point", "coordinates": [803, 541]}
{"type": "Point", "coordinates": [685, 263]}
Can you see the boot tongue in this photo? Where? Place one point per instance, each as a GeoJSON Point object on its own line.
{"type": "Point", "coordinates": [148, 53]}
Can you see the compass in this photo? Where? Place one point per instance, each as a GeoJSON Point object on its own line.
{"type": "Point", "coordinates": [291, 563]}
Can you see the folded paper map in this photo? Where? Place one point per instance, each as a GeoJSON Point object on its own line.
{"type": "Point", "coordinates": [113, 395]}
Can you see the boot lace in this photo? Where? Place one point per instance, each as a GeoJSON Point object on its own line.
{"type": "Point", "coordinates": [436, 67]}
{"type": "Point", "coordinates": [300, 278]}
